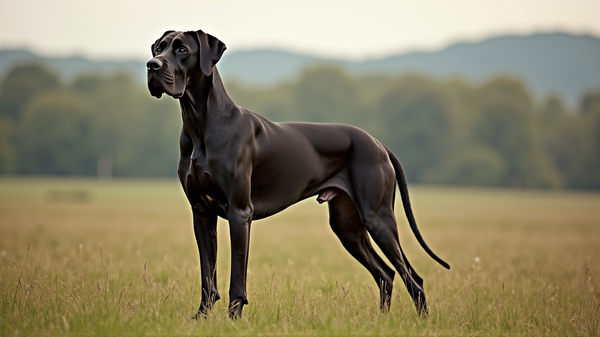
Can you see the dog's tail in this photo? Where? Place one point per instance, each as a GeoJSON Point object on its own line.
{"type": "Point", "coordinates": [400, 177]}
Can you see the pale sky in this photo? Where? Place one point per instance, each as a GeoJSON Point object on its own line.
{"type": "Point", "coordinates": [353, 30]}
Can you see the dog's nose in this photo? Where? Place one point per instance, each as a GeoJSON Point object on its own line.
{"type": "Point", "coordinates": [154, 64]}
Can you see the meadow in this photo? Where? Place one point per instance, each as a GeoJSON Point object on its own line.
{"type": "Point", "coordinates": [118, 257]}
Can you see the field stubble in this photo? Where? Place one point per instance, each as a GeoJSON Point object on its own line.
{"type": "Point", "coordinates": [119, 257]}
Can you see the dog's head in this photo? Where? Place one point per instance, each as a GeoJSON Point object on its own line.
{"type": "Point", "coordinates": [180, 59]}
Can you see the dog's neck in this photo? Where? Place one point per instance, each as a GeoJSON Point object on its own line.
{"type": "Point", "coordinates": [205, 104]}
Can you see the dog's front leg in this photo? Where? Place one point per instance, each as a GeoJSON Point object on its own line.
{"type": "Point", "coordinates": [205, 230]}
{"type": "Point", "coordinates": [239, 226]}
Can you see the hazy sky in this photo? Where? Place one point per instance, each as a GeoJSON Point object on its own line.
{"type": "Point", "coordinates": [341, 29]}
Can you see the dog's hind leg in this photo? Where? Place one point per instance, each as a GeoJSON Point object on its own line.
{"type": "Point", "coordinates": [382, 228]}
{"type": "Point", "coordinates": [348, 226]}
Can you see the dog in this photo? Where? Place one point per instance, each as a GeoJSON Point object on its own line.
{"type": "Point", "coordinates": [237, 165]}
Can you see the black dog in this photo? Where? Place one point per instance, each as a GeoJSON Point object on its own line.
{"type": "Point", "coordinates": [240, 166]}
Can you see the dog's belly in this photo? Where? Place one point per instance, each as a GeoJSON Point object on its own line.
{"type": "Point", "coordinates": [270, 201]}
{"type": "Point", "coordinates": [289, 167]}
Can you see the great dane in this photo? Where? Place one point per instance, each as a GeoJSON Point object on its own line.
{"type": "Point", "coordinates": [237, 165]}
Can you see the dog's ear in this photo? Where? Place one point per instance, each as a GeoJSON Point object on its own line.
{"type": "Point", "coordinates": [158, 41]}
{"type": "Point", "coordinates": [210, 52]}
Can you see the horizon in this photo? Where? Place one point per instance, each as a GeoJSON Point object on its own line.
{"type": "Point", "coordinates": [76, 55]}
{"type": "Point", "coordinates": [353, 31]}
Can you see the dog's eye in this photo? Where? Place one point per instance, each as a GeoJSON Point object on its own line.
{"type": "Point", "coordinates": [158, 50]}
{"type": "Point", "coordinates": [182, 50]}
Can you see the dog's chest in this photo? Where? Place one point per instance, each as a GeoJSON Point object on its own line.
{"type": "Point", "coordinates": [200, 178]}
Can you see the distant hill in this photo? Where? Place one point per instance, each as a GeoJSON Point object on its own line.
{"type": "Point", "coordinates": [562, 63]}
{"type": "Point", "coordinates": [70, 67]}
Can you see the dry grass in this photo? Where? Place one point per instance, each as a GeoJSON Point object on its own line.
{"type": "Point", "coordinates": [96, 258]}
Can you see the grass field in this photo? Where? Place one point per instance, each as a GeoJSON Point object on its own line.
{"type": "Point", "coordinates": [91, 257]}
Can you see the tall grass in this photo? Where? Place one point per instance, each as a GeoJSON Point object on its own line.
{"type": "Point", "coordinates": [123, 261]}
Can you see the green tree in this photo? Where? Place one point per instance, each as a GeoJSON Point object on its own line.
{"type": "Point", "coordinates": [325, 95]}
{"type": "Point", "coordinates": [138, 132]}
{"type": "Point", "coordinates": [473, 164]}
{"type": "Point", "coordinates": [21, 85]}
{"type": "Point", "coordinates": [593, 125]}
{"type": "Point", "coordinates": [506, 121]}
{"type": "Point", "coordinates": [572, 142]}
{"type": "Point", "coordinates": [53, 137]}
{"type": "Point", "coordinates": [7, 155]}
{"type": "Point", "coordinates": [590, 102]}
{"type": "Point", "coordinates": [273, 103]}
{"type": "Point", "coordinates": [418, 124]}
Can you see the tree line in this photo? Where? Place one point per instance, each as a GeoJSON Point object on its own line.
{"type": "Point", "coordinates": [444, 131]}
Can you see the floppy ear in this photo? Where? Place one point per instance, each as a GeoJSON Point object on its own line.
{"type": "Point", "coordinates": [157, 41]}
{"type": "Point", "coordinates": [210, 51]}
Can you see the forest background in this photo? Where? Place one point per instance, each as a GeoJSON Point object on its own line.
{"type": "Point", "coordinates": [496, 130]}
